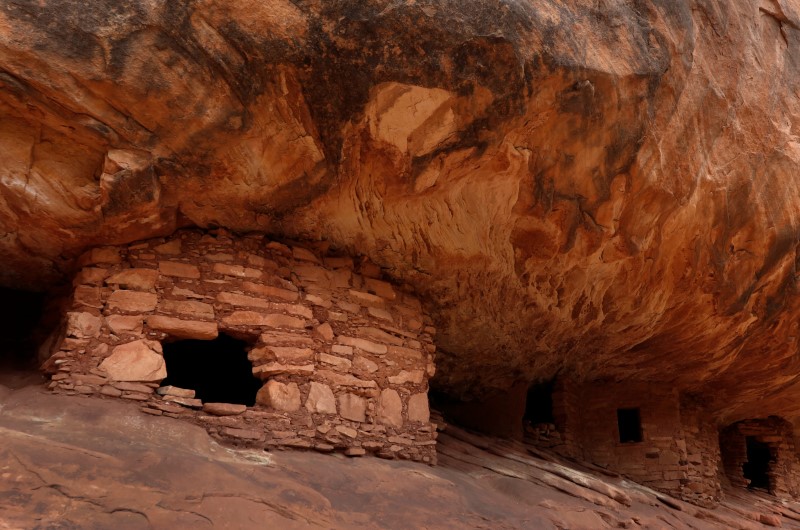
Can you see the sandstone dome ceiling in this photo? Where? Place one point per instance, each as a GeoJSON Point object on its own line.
{"type": "Point", "coordinates": [605, 189]}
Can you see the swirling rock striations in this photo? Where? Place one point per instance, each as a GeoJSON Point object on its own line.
{"type": "Point", "coordinates": [605, 189]}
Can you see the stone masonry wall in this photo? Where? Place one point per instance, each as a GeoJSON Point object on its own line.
{"type": "Point", "coordinates": [345, 357]}
{"type": "Point", "coordinates": [777, 433]}
{"type": "Point", "coordinates": [659, 460]}
{"type": "Point", "coordinates": [703, 465]}
{"type": "Point", "coordinates": [561, 435]}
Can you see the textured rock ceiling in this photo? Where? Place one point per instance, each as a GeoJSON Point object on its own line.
{"type": "Point", "coordinates": [606, 188]}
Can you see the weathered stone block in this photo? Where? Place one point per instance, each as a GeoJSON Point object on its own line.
{"type": "Point", "coordinates": [183, 329]}
{"type": "Point", "coordinates": [344, 364]}
{"type": "Point", "coordinates": [324, 332]}
{"type": "Point", "coordinates": [171, 248]}
{"type": "Point", "coordinates": [320, 399]}
{"type": "Point", "coordinates": [418, 409]}
{"type": "Point", "coordinates": [268, 370]}
{"type": "Point", "coordinates": [260, 262]}
{"type": "Point", "coordinates": [390, 408]}
{"type": "Point", "coordinates": [415, 376]}
{"type": "Point", "coordinates": [170, 390]}
{"type": "Point", "coordinates": [179, 270]}
{"type": "Point", "coordinates": [279, 396]}
{"type": "Point", "coordinates": [140, 360]}
{"type": "Point", "coordinates": [283, 337]}
{"type": "Point", "coordinates": [312, 273]}
{"type": "Point", "coordinates": [379, 335]}
{"type": "Point", "coordinates": [284, 354]}
{"type": "Point", "coordinates": [178, 291]}
{"type": "Point", "coordinates": [293, 309]}
{"type": "Point", "coordinates": [340, 349]}
{"type": "Point", "coordinates": [187, 307]}
{"type": "Point", "coordinates": [133, 301]}
{"type": "Point", "coordinates": [134, 279]}
{"type": "Point", "coordinates": [367, 298]}
{"type": "Point", "coordinates": [345, 379]}
{"type": "Point", "coordinates": [353, 407]}
{"type": "Point", "coordinates": [252, 318]}
{"type": "Point", "coordinates": [87, 296]}
{"type": "Point", "coordinates": [409, 353]}
{"type": "Point", "coordinates": [364, 365]}
{"type": "Point", "coordinates": [380, 313]}
{"type": "Point", "coordinates": [184, 401]}
{"type": "Point", "coordinates": [127, 386]}
{"type": "Point", "coordinates": [237, 271]}
{"type": "Point", "coordinates": [241, 300]}
{"type": "Point", "coordinates": [362, 344]}
{"type": "Point", "coordinates": [318, 301]}
{"type": "Point", "coordinates": [270, 291]}
{"type": "Point", "coordinates": [83, 325]}
{"type": "Point", "coordinates": [121, 324]}
{"type": "Point", "coordinates": [347, 431]}
{"type": "Point", "coordinates": [223, 409]}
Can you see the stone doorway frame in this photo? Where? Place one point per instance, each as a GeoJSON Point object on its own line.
{"type": "Point", "coordinates": [776, 434]}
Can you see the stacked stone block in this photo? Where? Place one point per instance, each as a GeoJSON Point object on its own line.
{"type": "Point", "coordinates": [344, 356]}
{"type": "Point", "coordinates": [777, 433]}
{"type": "Point", "coordinates": [703, 465]}
{"type": "Point", "coordinates": [659, 460]}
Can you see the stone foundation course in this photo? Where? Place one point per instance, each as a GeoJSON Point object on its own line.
{"type": "Point", "coordinates": [342, 358]}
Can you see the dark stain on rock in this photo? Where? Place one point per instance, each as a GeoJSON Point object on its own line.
{"type": "Point", "coordinates": [128, 190]}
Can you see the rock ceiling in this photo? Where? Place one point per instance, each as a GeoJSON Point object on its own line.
{"type": "Point", "coordinates": [605, 189]}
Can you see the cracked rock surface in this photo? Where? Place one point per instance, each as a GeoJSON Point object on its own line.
{"type": "Point", "coordinates": [71, 462]}
{"type": "Point", "coordinates": [605, 189]}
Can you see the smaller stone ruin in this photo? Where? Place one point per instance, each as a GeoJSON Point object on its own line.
{"type": "Point", "coordinates": [650, 433]}
{"type": "Point", "coordinates": [760, 454]}
{"type": "Point", "coordinates": [263, 344]}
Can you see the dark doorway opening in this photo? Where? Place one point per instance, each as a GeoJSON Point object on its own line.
{"type": "Point", "coordinates": [629, 422]}
{"type": "Point", "coordinates": [20, 316]}
{"type": "Point", "coordinates": [539, 404]}
{"type": "Point", "coordinates": [217, 370]}
{"type": "Point", "coordinates": [756, 469]}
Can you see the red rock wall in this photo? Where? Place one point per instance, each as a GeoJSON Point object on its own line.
{"type": "Point", "coordinates": [345, 357]}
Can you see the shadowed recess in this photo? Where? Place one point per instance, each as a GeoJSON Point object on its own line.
{"type": "Point", "coordinates": [217, 370]}
{"type": "Point", "coordinates": [19, 319]}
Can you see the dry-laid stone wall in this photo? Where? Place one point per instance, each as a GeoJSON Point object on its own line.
{"type": "Point", "coordinates": [659, 459]}
{"type": "Point", "coordinates": [703, 465]}
{"type": "Point", "coordinates": [344, 357]}
{"type": "Point", "coordinates": [778, 434]}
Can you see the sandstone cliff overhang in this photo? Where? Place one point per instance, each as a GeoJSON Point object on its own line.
{"type": "Point", "coordinates": [605, 189]}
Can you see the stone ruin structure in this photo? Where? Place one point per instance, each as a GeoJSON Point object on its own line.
{"type": "Point", "coordinates": [659, 438]}
{"type": "Point", "coordinates": [649, 433]}
{"type": "Point", "coordinates": [270, 345]}
{"type": "Point", "coordinates": [263, 344]}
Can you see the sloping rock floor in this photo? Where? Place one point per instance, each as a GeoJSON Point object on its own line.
{"type": "Point", "coordinates": [80, 463]}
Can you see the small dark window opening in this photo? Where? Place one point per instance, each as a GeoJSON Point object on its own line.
{"type": "Point", "coordinates": [630, 425]}
{"type": "Point", "coordinates": [756, 469]}
{"type": "Point", "coordinates": [539, 404]}
{"type": "Point", "coordinates": [217, 370]}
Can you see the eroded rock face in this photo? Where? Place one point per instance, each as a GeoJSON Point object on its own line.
{"type": "Point", "coordinates": [606, 190]}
